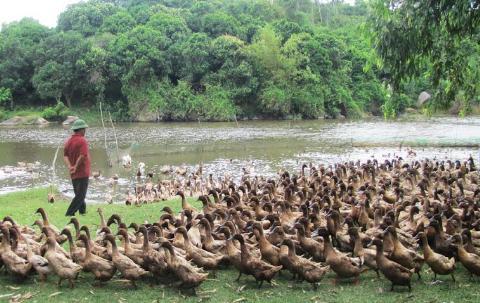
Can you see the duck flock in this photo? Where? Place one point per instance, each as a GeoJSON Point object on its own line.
{"type": "Point", "coordinates": [395, 217]}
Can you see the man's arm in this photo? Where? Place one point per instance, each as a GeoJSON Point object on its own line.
{"type": "Point", "coordinates": [67, 162]}
{"type": "Point", "coordinates": [80, 160]}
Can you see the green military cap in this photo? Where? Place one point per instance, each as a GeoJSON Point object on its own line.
{"type": "Point", "coordinates": [78, 124]}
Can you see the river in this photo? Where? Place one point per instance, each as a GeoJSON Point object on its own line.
{"type": "Point", "coordinates": [263, 147]}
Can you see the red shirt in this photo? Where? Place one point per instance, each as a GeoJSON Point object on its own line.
{"type": "Point", "coordinates": [75, 146]}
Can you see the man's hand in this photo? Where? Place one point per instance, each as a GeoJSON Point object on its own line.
{"type": "Point", "coordinates": [72, 169]}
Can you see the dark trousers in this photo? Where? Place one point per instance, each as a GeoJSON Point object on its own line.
{"type": "Point", "coordinates": [80, 187]}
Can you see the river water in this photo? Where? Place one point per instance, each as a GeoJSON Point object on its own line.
{"type": "Point", "coordinates": [262, 147]}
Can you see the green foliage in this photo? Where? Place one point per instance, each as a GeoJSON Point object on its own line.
{"type": "Point", "coordinates": [221, 59]}
{"type": "Point", "coordinates": [217, 104]}
{"type": "Point", "coordinates": [395, 105]}
{"type": "Point", "coordinates": [440, 37]}
{"type": "Point", "coordinates": [173, 102]}
{"type": "Point", "coordinates": [5, 95]}
{"type": "Point", "coordinates": [85, 17]}
{"type": "Point", "coordinates": [18, 44]}
{"type": "Point", "coordinates": [233, 69]}
{"type": "Point", "coordinates": [195, 57]}
{"type": "Point", "coordinates": [220, 23]}
{"type": "Point", "coordinates": [286, 29]}
{"type": "Point", "coordinates": [56, 113]}
{"type": "Point", "coordinates": [119, 22]}
{"type": "Point", "coordinates": [275, 100]}
{"type": "Point", "coordinates": [48, 80]}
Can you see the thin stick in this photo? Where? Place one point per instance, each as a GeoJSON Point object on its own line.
{"type": "Point", "coordinates": [115, 136]}
{"type": "Point", "coordinates": [236, 121]}
{"type": "Point", "coordinates": [53, 167]}
{"type": "Point", "coordinates": [55, 159]}
{"type": "Point", "coordinates": [105, 136]}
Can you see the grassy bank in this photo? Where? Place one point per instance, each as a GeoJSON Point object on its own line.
{"type": "Point", "coordinates": [90, 114]}
{"type": "Point", "coordinates": [21, 206]}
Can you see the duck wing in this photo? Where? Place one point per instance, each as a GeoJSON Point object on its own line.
{"type": "Point", "coordinates": [38, 261]}
{"type": "Point", "coordinates": [402, 270]}
{"type": "Point", "coordinates": [354, 261]}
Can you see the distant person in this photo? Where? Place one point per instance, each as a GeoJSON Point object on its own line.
{"type": "Point", "coordinates": [77, 159]}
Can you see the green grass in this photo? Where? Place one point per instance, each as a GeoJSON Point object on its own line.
{"type": "Point", "coordinates": [21, 206]}
{"type": "Point", "coordinates": [89, 114]}
{"type": "Point", "coordinates": [29, 113]}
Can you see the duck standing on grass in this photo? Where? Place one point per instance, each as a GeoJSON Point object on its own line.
{"type": "Point", "coordinates": [77, 159]}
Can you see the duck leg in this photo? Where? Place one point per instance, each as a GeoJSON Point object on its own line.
{"type": "Point", "coordinates": [356, 281]}
{"type": "Point", "coordinates": [378, 273]}
{"type": "Point", "coordinates": [391, 289]}
{"type": "Point", "coordinates": [132, 282]}
{"type": "Point", "coordinates": [335, 281]}
{"type": "Point", "coordinates": [239, 275]}
{"type": "Point", "coordinates": [189, 292]}
{"type": "Point", "coordinates": [214, 274]}
{"type": "Point", "coordinates": [434, 276]}
{"type": "Point", "coordinates": [453, 278]}
{"type": "Point", "coordinates": [261, 283]}
{"type": "Point", "coordinates": [59, 283]}
{"type": "Point", "coordinates": [409, 287]}
{"type": "Point", "coordinates": [71, 283]}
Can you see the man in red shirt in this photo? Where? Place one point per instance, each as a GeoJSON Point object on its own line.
{"type": "Point", "coordinates": [77, 159]}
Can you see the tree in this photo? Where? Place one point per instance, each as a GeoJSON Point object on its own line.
{"type": "Point", "coordinates": [49, 81]}
{"type": "Point", "coordinates": [120, 22]}
{"type": "Point", "coordinates": [196, 59]}
{"type": "Point", "coordinates": [308, 99]}
{"type": "Point", "coordinates": [220, 23]}
{"type": "Point", "coordinates": [172, 26]}
{"type": "Point", "coordinates": [286, 29]}
{"type": "Point", "coordinates": [413, 36]}
{"type": "Point", "coordinates": [85, 17]}
{"type": "Point", "coordinates": [18, 43]}
{"type": "Point", "coordinates": [198, 10]}
{"type": "Point", "coordinates": [232, 69]}
{"type": "Point", "coordinates": [138, 61]}
{"type": "Point", "coordinates": [61, 69]}
{"type": "Point", "coordinates": [273, 65]}
{"type": "Point", "coordinates": [213, 60]}
{"type": "Point", "coordinates": [267, 51]}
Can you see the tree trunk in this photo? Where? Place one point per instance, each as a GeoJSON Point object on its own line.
{"type": "Point", "coordinates": [68, 98]}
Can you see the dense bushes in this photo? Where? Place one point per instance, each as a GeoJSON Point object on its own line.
{"type": "Point", "coordinates": [56, 113]}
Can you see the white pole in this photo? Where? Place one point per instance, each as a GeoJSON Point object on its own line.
{"type": "Point", "coordinates": [105, 136]}
{"type": "Point", "coordinates": [115, 136]}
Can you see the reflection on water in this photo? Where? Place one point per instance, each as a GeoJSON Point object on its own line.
{"type": "Point", "coordinates": [225, 148]}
